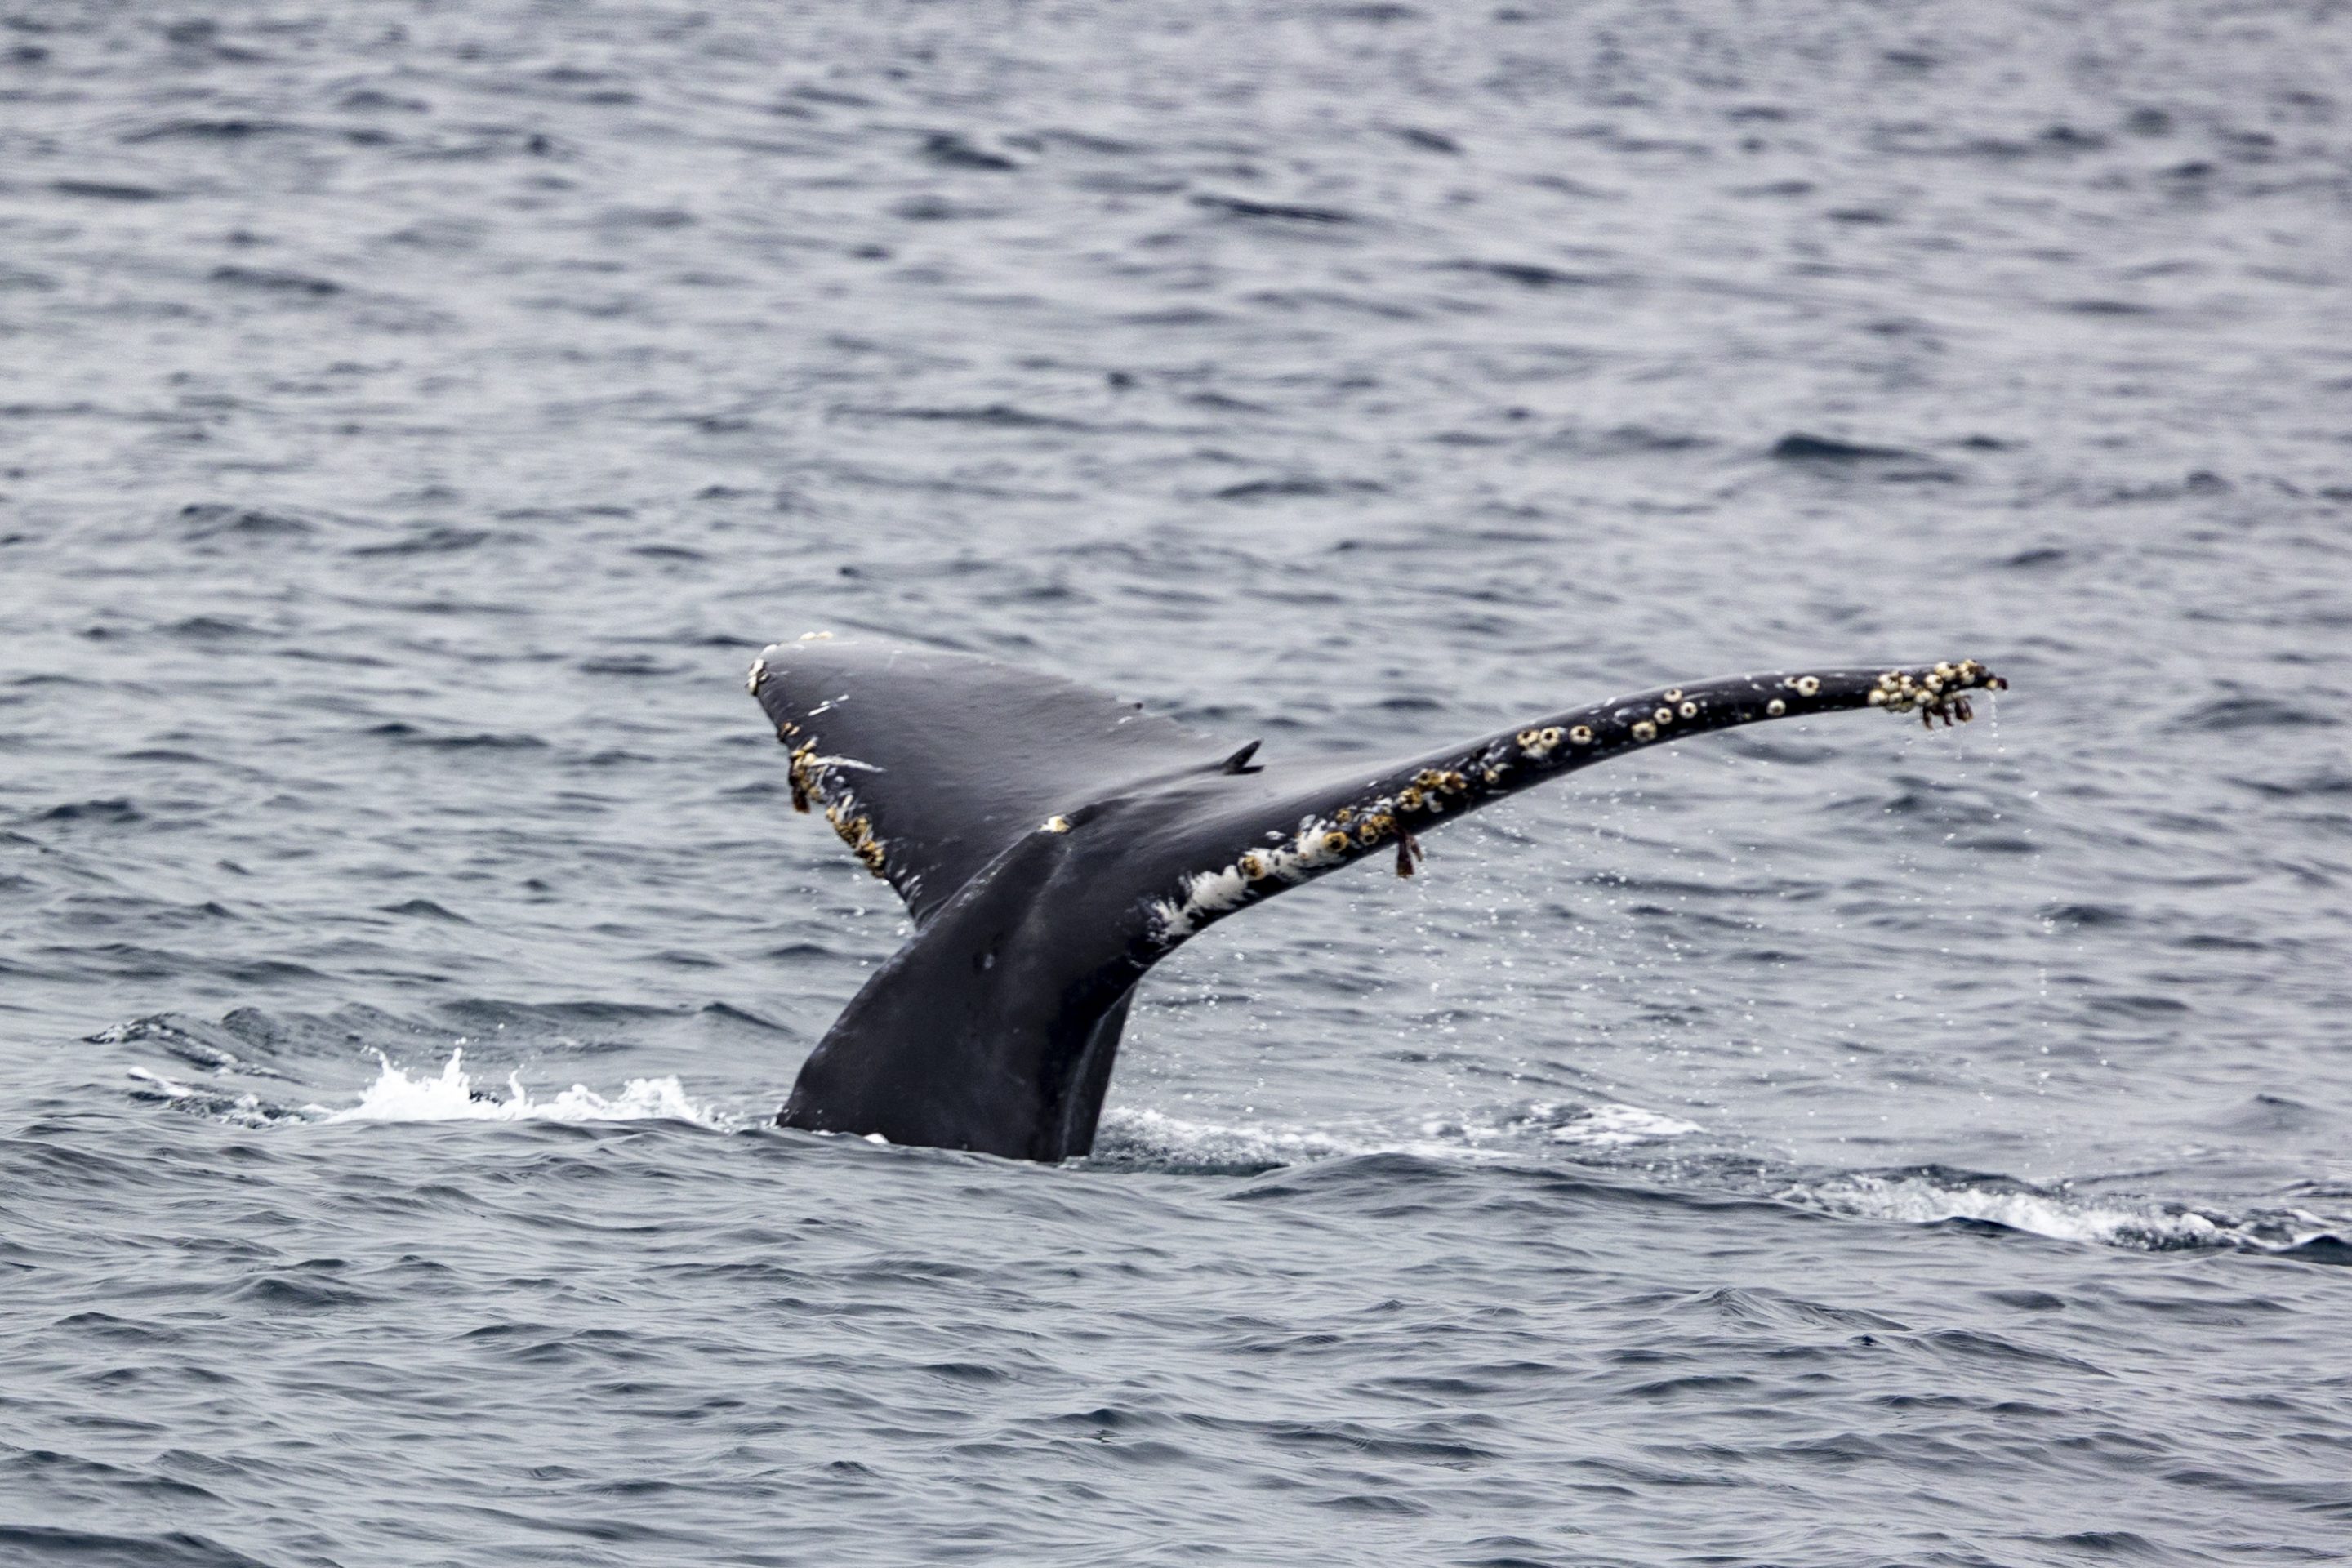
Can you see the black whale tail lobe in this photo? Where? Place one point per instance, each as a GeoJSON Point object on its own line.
{"type": "Point", "coordinates": [1052, 843]}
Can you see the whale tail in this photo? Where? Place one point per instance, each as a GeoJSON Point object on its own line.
{"type": "Point", "coordinates": [1054, 842]}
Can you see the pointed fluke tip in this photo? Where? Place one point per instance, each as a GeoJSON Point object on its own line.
{"type": "Point", "coordinates": [1935, 691]}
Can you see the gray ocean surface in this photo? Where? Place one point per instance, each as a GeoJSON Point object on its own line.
{"type": "Point", "coordinates": [1829, 1144]}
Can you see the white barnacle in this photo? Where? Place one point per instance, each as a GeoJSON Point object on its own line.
{"type": "Point", "coordinates": [1690, 709]}
{"type": "Point", "coordinates": [1581, 734]}
{"type": "Point", "coordinates": [1775, 707]}
{"type": "Point", "coordinates": [816, 637]}
{"type": "Point", "coordinates": [759, 673]}
{"type": "Point", "coordinates": [1644, 730]}
{"type": "Point", "coordinates": [1216, 891]}
{"type": "Point", "coordinates": [1663, 716]}
{"type": "Point", "coordinates": [1675, 695]}
{"type": "Point", "coordinates": [1877, 697]}
{"type": "Point", "coordinates": [1807, 685]}
{"type": "Point", "coordinates": [1055, 825]}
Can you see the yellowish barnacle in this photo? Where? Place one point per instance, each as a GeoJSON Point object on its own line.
{"type": "Point", "coordinates": [1256, 866]}
{"type": "Point", "coordinates": [1689, 710]}
{"type": "Point", "coordinates": [759, 674]}
{"type": "Point", "coordinates": [816, 637]}
{"type": "Point", "coordinates": [1056, 825]}
{"type": "Point", "coordinates": [1335, 842]}
{"type": "Point", "coordinates": [1494, 775]}
{"type": "Point", "coordinates": [1429, 778]}
{"type": "Point", "coordinates": [1551, 737]}
{"type": "Point", "coordinates": [1581, 734]}
{"type": "Point", "coordinates": [1409, 798]}
{"type": "Point", "coordinates": [1663, 716]}
{"type": "Point", "coordinates": [1530, 737]}
{"type": "Point", "coordinates": [1368, 832]}
{"type": "Point", "coordinates": [867, 848]}
{"type": "Point", "coordinates": [1877, 697]}
{"type": "Point", "coordinates": [1345, 814]}
{"type": "Point", "coordinates": [1644, 730]}
{"type": "Point", "coordinates": [1675, 695]}
{"type": "Point", "coordinates": [1775, 707]}
{"type": "Point", "coordinates": [1807, 685]}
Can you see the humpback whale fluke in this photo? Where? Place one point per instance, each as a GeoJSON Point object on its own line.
{"type": "Point", "coordinates": [1053, 843]}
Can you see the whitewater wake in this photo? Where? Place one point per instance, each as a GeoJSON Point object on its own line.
{"type": "Point", "coordinates": [450, 1094]}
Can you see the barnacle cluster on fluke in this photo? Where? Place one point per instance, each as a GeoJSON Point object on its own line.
{"type": "Point", "coordinates": [1499, 766]}
{"type": "Point", "coordinates": [1938, 693]}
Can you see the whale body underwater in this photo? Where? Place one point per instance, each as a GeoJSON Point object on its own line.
{"type": "Point", "coordinates": [1054, 842]}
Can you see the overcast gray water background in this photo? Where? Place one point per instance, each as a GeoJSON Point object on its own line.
{"type": "Point", "coordinates": [1827, 1145]}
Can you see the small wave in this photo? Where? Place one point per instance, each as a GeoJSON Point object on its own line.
{"type": "Point", "coordinates": [451, 1096]}
{"type": "Point", "coordinates": [1924, 1197]}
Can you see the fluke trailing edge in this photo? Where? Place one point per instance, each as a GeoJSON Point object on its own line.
{"type": "Point", "coordinates": [1054, 842]}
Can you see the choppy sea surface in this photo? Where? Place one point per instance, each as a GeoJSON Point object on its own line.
{"type": "Point", "coordinates": [1831, 1144]}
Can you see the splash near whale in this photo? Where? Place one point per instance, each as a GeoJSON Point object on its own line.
{"type": "Point", "coordinates": [1053, 843]}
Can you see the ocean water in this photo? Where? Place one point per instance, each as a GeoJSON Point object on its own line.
{"type": "Point", "coordinates": [1823, 1144]}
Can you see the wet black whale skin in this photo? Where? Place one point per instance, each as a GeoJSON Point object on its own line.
{"type": "Point", "coordinates": [1040, 831]}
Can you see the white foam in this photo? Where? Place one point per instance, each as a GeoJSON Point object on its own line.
{"type": "Point", "coordinates": [160, 1087]}
{"type": "Point", "coordinates": [1132, 1136]}
{"type": "Point", "coordinates": [1922, 1200]}
{"type": "Point", "coordinates": [1152, 1137]}
{"type": "Point", "coordinates": [1607, 1124]}
{"type": "Point", "coordinates": [450, 1096]}
{"type": "Point", "coordinates": [1613, 1126]}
